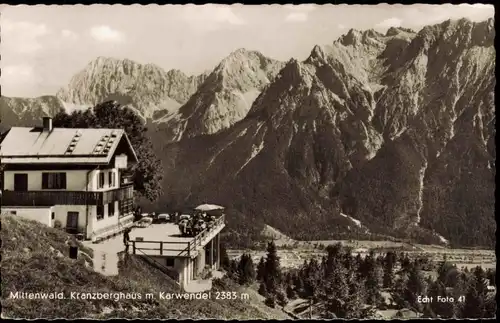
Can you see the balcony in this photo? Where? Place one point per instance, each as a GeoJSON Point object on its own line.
{"type": "Point", "coordinates": [49, 198]}
{"type": "Point", "coordinates": [126, 179]}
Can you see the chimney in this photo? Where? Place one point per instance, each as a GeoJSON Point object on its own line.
{"type": "Point", "coordinates": [47, 124]}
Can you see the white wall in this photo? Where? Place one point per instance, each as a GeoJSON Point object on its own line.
{"type": "Point", "coordinates": [94, 179]}
{"type": "Point", "coordinates": [43, 215]}
{"type": "Point", "coordinates": [61, 214]}
{"type": "Point", "coordinates": [107, 220]}
{"type": "Point", "coordinates": [183, 266]}
{"type": "Point", "coordinates": [75, 179]}
{"type": "Point", "coordinates": [200, 262]}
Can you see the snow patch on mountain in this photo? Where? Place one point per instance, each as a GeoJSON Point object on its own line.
{"type": "Point", "coordinates": [241, 134]}
{"type": "Point", "coordinates": [357, 222]}
{"type": "Point", "coordinates": [256, 149]}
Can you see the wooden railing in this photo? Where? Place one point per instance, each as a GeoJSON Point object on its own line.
{"type": "Point", "coordinates": [120, 194]}
{"type": "Point", "coordinates": [49, 198]}
{"type": "Point", "coordinates": [191, 246]}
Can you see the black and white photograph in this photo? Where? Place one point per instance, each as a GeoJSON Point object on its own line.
{"type": "Point", "coordinates": [248, 162]}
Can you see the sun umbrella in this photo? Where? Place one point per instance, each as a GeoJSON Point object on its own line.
{"type": "Point", "coordinates": [208, 207]}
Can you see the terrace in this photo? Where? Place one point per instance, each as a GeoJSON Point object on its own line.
{"type": "Point", "coordinates": [165, 240]}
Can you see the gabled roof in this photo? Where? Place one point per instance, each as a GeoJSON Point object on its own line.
{"type": "Point", "coordinates": [62, 145]}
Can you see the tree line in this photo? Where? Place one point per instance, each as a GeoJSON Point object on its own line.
{"type": "Point", "coordinates": [351, 286]}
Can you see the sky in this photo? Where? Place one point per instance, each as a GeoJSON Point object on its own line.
{"type": "Point", "coordinates": [42, 47]}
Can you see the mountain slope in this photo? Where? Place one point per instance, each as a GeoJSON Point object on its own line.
{"type": "Point", "coordinates": [223, 99]}
{"type": "Point", "coordinates": [436, 98]}
{"type": "Point", "coordinates": [35, 260]}
{"type": "Point", "coordinates": [364, 126]}
{"type": "Point", "coordinates": [145, 88]}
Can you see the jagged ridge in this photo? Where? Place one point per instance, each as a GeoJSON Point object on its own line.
{"type": "Point", "coordinates": [361, 126]}
{"type": "Point", "coordinates": [145, 88]}
{"type": "Point", "coordinates": [224, 98]}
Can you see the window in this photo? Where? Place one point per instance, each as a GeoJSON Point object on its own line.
{"type": "Point", "coordinates": [21, 182]}
{"type": "Point", "coordinates": [53, 216]}
{"type": "Point", "coordinates": [125, 207]}
{"type": "Point", "coordinates": [54, 181]}
{"type": "Point", "coordinates": [111, 209]}
{"type": "Point", "coordinates": [170, 262]}
{"type": "Point", "coordinates": [100, 183]}
{"type": "Point", "coordinates": [13, 212]}
{"type": "Point", "coordinates": [100, 212]}
{"type": "Point", "coordinates": [111, 179]}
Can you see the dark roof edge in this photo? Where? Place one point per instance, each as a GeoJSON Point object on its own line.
{"type": "Point", "coordinates": [55, 156]}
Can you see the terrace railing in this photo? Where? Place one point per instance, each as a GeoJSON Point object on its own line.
{"type": "Point", "coordinates": [122, 222]}
{"type": "Point", "coordinates": [49, 198]}
{"type": "Point", "coordinates": [190, 247]}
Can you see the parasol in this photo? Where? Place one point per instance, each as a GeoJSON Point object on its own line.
{"type": "Point", "coordinates": [208, 207]}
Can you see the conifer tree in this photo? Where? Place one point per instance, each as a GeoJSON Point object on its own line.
{"type": "Point", "coordinates": [336, 290]}
{"type": "Point", "coordinates": [290, 292]}
{"type": "Point", "coordinates": [428, 312]}
{"type": "Point", "coordinates": [475, 299]}
{"type": "Point", "coordinates": [273, 275]}
{"type": "Point", "coordinates": [261, 269]}
{"type": "Point", "coordinates": [299, 285]}
{"type": "Point", "coordinates": [415, 286]}
{"type": "Point", "coordinates": [246, 270]}
{"type": "Point", "coordinates": [224, 258]}
{"type": "Point", "coordinates": [270, 300]}
{"type": "Point", "coordinates": [399, 290]}
{"type": "Point", "coordinates": [441, 309]}
{"type": "Point", "coordinates": [406, 264]}
{"type": "Point", "coordinates": [447, 274]}
{"type": "Point", "coordinates": [373, 283]}
{"type": "Point", "coordinates": [263, 289]}
{"type": "Point", "coordinates": [353, 306]}
{"type": "Point", "coordinates": [491, 276]}
{"type": "Point", "coordinates": [389, 263]}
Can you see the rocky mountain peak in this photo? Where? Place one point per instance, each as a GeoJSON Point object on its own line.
{"type": "Point", "coordinates": [292, 70]}
{"type": "Point", "coordinates": [103, 60]}
{"type": "Point", "coordinates": [175, 73]}
{"type": "Point", "coordinates": [237, 61]}
{"type": "Point", "coordinates": [352, 38]}
{"type": "Point", "coordinates": [356, 38]}
{"type": "Point", "coordinates": [318, 52]}
{"type": "Point", "coordinates": [462, 33]}
{"type": "Point", "coordinates": [225, 96]}
{"type": "Point", "coordinates": [293, 74]}
{"type": "Point", "coordinates": [244, 69]}
{"type": "Point", "coordinates": [394, 31]}
{"type": "Point", "coordinates": [370, 33]}
{"type": "Point", "coordinates": [146, 88]}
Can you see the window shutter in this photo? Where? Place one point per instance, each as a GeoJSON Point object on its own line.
{"type": "Point", "coordinates": [45, 180]}
{"type": "Point", "coordinates": [63, 181]}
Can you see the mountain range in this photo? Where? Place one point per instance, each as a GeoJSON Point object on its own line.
{"type": "Point", "coordinates": [372, 135]}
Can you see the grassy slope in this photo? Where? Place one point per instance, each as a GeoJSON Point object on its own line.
{"type": "Point", "coordinates": [35, 259]}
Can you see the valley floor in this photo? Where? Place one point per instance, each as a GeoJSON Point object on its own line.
{"type": "Point", "coordinates": [293, 254]}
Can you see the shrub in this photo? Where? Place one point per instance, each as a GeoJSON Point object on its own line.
{"type": "Point", "coordinates": [270, 301]}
